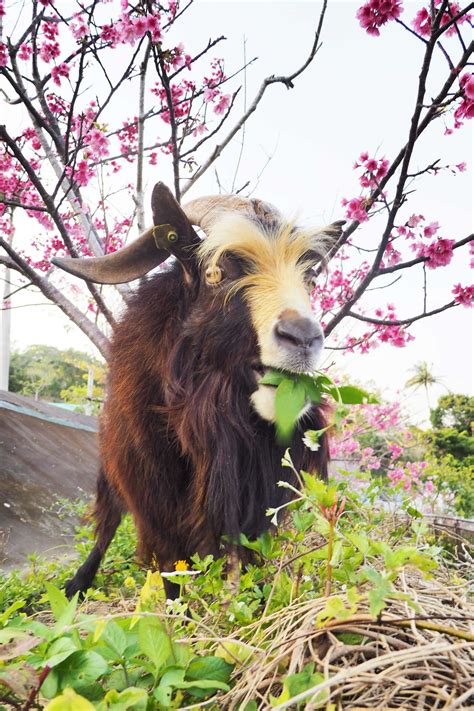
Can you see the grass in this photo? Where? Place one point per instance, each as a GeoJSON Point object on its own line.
{"type": "Point", "coordinates": [347, 605]}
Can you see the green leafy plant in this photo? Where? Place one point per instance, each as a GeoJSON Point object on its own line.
{"type": "Point", "coordinates": [295, 390]}
{"type": "Point", "coordinates": [127, 647]}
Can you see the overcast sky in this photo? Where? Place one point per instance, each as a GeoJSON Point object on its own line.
{"type": "Point", "coordinates": [358, 95]}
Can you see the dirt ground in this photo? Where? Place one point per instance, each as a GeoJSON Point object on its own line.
{"type": "Point", "coordinates": [46, 454]}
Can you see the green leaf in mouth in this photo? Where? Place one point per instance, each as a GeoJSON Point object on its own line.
{"type": "Point", "coordinates": [295, 390]}
{"type": "Point", "coordinates": [290, 398]}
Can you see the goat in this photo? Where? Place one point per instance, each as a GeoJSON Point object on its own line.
{"type": "Point", "coordinates": [187, 435]}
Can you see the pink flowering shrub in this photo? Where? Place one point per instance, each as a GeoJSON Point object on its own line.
{"type": "Point", "coordinates": [374, 439]}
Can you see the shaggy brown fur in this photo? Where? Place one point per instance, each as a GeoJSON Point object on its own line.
{"type": "Point", "coordinates": [182, 448]}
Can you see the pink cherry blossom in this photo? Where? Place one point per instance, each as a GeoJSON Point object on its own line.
{"type": "Point", "coordinates": [437, 254]}
{"type": "Point", "coordinates": [464, 294]}
{"type": "Point", "coordinates": [81, 174]}
{"type": "Point", "coordinates": [222, 104]}
{"type": "Point", "coordinates": [25, 51]}
{"type": "Point", "coordinates": [98, 143]}
{"type": "Point", "coordinates": [49, 51]}
{"type": "Point", "coordinates": [79, 27]}
{"type": "Point", "coordinates": [431, 229]}
{"type": "Point", "coordinates": [356, 209]}
{"type": "Point", "coordinates": [61, 70]}
{"type": "Point", "coordinates": [3, 54]}
{"type": "Point", "coordinates": [422, 21]}
{"type": "Point", "coordinates": [376, 13]}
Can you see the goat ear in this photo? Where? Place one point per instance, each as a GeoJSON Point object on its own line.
{"type": "Point", "coordinates": [173, 231]}
{"type": "Point", "coordinates": [325, 239]}
{"type": "Point", "coordinates": [334, 231]}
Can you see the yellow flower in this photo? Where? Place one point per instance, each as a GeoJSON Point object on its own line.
{"type": "Point", "coordinates": [180, 565]}
{"type": "Point", "coordinates": [129, 582]}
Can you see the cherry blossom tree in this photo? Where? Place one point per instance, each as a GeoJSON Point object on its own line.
{"type": "Point", "coordinates": [73, 170]}
{"type": "Point", "coordinates": [83, 156]}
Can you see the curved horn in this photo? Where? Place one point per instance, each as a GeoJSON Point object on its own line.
{"type": "Point", "coordinates": [122, 266]}
{"type": "Point", "coordinates": [205, 211]}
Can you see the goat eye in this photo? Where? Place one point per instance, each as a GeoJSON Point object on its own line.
{"type": "Point", "coordinates": [214, 275]}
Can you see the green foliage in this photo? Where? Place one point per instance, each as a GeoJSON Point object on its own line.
{"type": "Point", "coordinates": [454, 412]}
{"type": "Point", "coordinates": [455, 478]}
{"type": "Point", "coordinates": [335, 546]}
{"type": "Point", "coordinates": [294, 390]}
{"type": "Point", "coordinates": [449, 441]}
{"type": "Point", "coordinates": [51, 374]}
{"type": "Point", "coordinates": [451, 451]}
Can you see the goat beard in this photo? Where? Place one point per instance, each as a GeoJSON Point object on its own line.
{"type": "Point", "coordinates": [234, 455]}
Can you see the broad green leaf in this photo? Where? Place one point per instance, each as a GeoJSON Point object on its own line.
{"type": "Point", "coordinates": [69, 701]}
{"type": "Point", "coordinates": [412, 511]}
{"type": "Point", "coordinates": [289, 402]}
{"type": "Point", "coordinates": [315, 487]}
{"type": "Point", "coordinates": [60, 650]}
{"type": "Point", "coordinates": [207, 684]}
{"type": "Point", "coordinates": [234, 650]}
{"type": "Point", "coordinates": [57, 599]}
{"type": "Point", "coordinates": [133, 697]}
{"type": "Point", "coordinates": [351, 395]}
{"type": "Point", "coordinates": [115, 638]}
{"type": "Point", "coordinates": [67, 615]}
{"type": "Point", "coordinates": [153, 641]}
{"type": "Point", "coordinates": [336, 553]}
{"type": "Point", "coordinates": [209, 668]}
{"type": "Point", "coordinates": [312, 388]}
{"type": "Point", "coordinates": [295, 684]}
{"type": "Point", "coordinates": [81, 668]}
{"type": "Point", "coordinates": [360, 541]}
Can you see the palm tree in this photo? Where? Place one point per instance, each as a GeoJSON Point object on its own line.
{"type": "Point", "coordinates": [423, 377]}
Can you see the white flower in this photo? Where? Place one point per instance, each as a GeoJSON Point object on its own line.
{"type": "Point", "coordinates": [177, 573]}
{"type": "Point", "coordinates": [311, 442]}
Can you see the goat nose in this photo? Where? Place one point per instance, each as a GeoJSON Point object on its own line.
{"type": "Point", "coordinates": [299, 333]}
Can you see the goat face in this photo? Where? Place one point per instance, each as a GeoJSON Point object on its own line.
{"type": "Point", "coordinates": [248, 285]}
{"type": "Point", "coordinates": [264, 270]}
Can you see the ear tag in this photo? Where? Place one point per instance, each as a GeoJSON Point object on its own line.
{"type": "Point", "coordinates": [213, 275]}
{"type": "Point", "coordinates": [164, 235]}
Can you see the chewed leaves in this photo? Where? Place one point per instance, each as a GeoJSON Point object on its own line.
{"type": "Point", "coordinates": [294, 391]}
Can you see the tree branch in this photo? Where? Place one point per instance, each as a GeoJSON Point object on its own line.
{"type": "Point", "coordinates": [403, 321]}
{"type": "Point", "coordinates": [405, 157]}
{"type": "Point", "coordinates": [419, 260]}
{"type": "Point", "coordinates": [286, 80]}
{"type": "Point", "coordinates": [57, 297]}
{"type": "Point", "coordinates": [51, 207]}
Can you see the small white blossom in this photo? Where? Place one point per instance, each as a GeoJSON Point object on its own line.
{"type": "Point", "coordinates": [311, 444]}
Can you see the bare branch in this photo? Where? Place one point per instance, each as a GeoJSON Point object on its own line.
{"type": "Point", "coordinates": [402, 321]}
{"type": "Point", "coordinates": [57, 297]}
{"type": "Point", "coordinates": [141, 138]}
{"type": "Point", "coordinates": [286, 80]}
